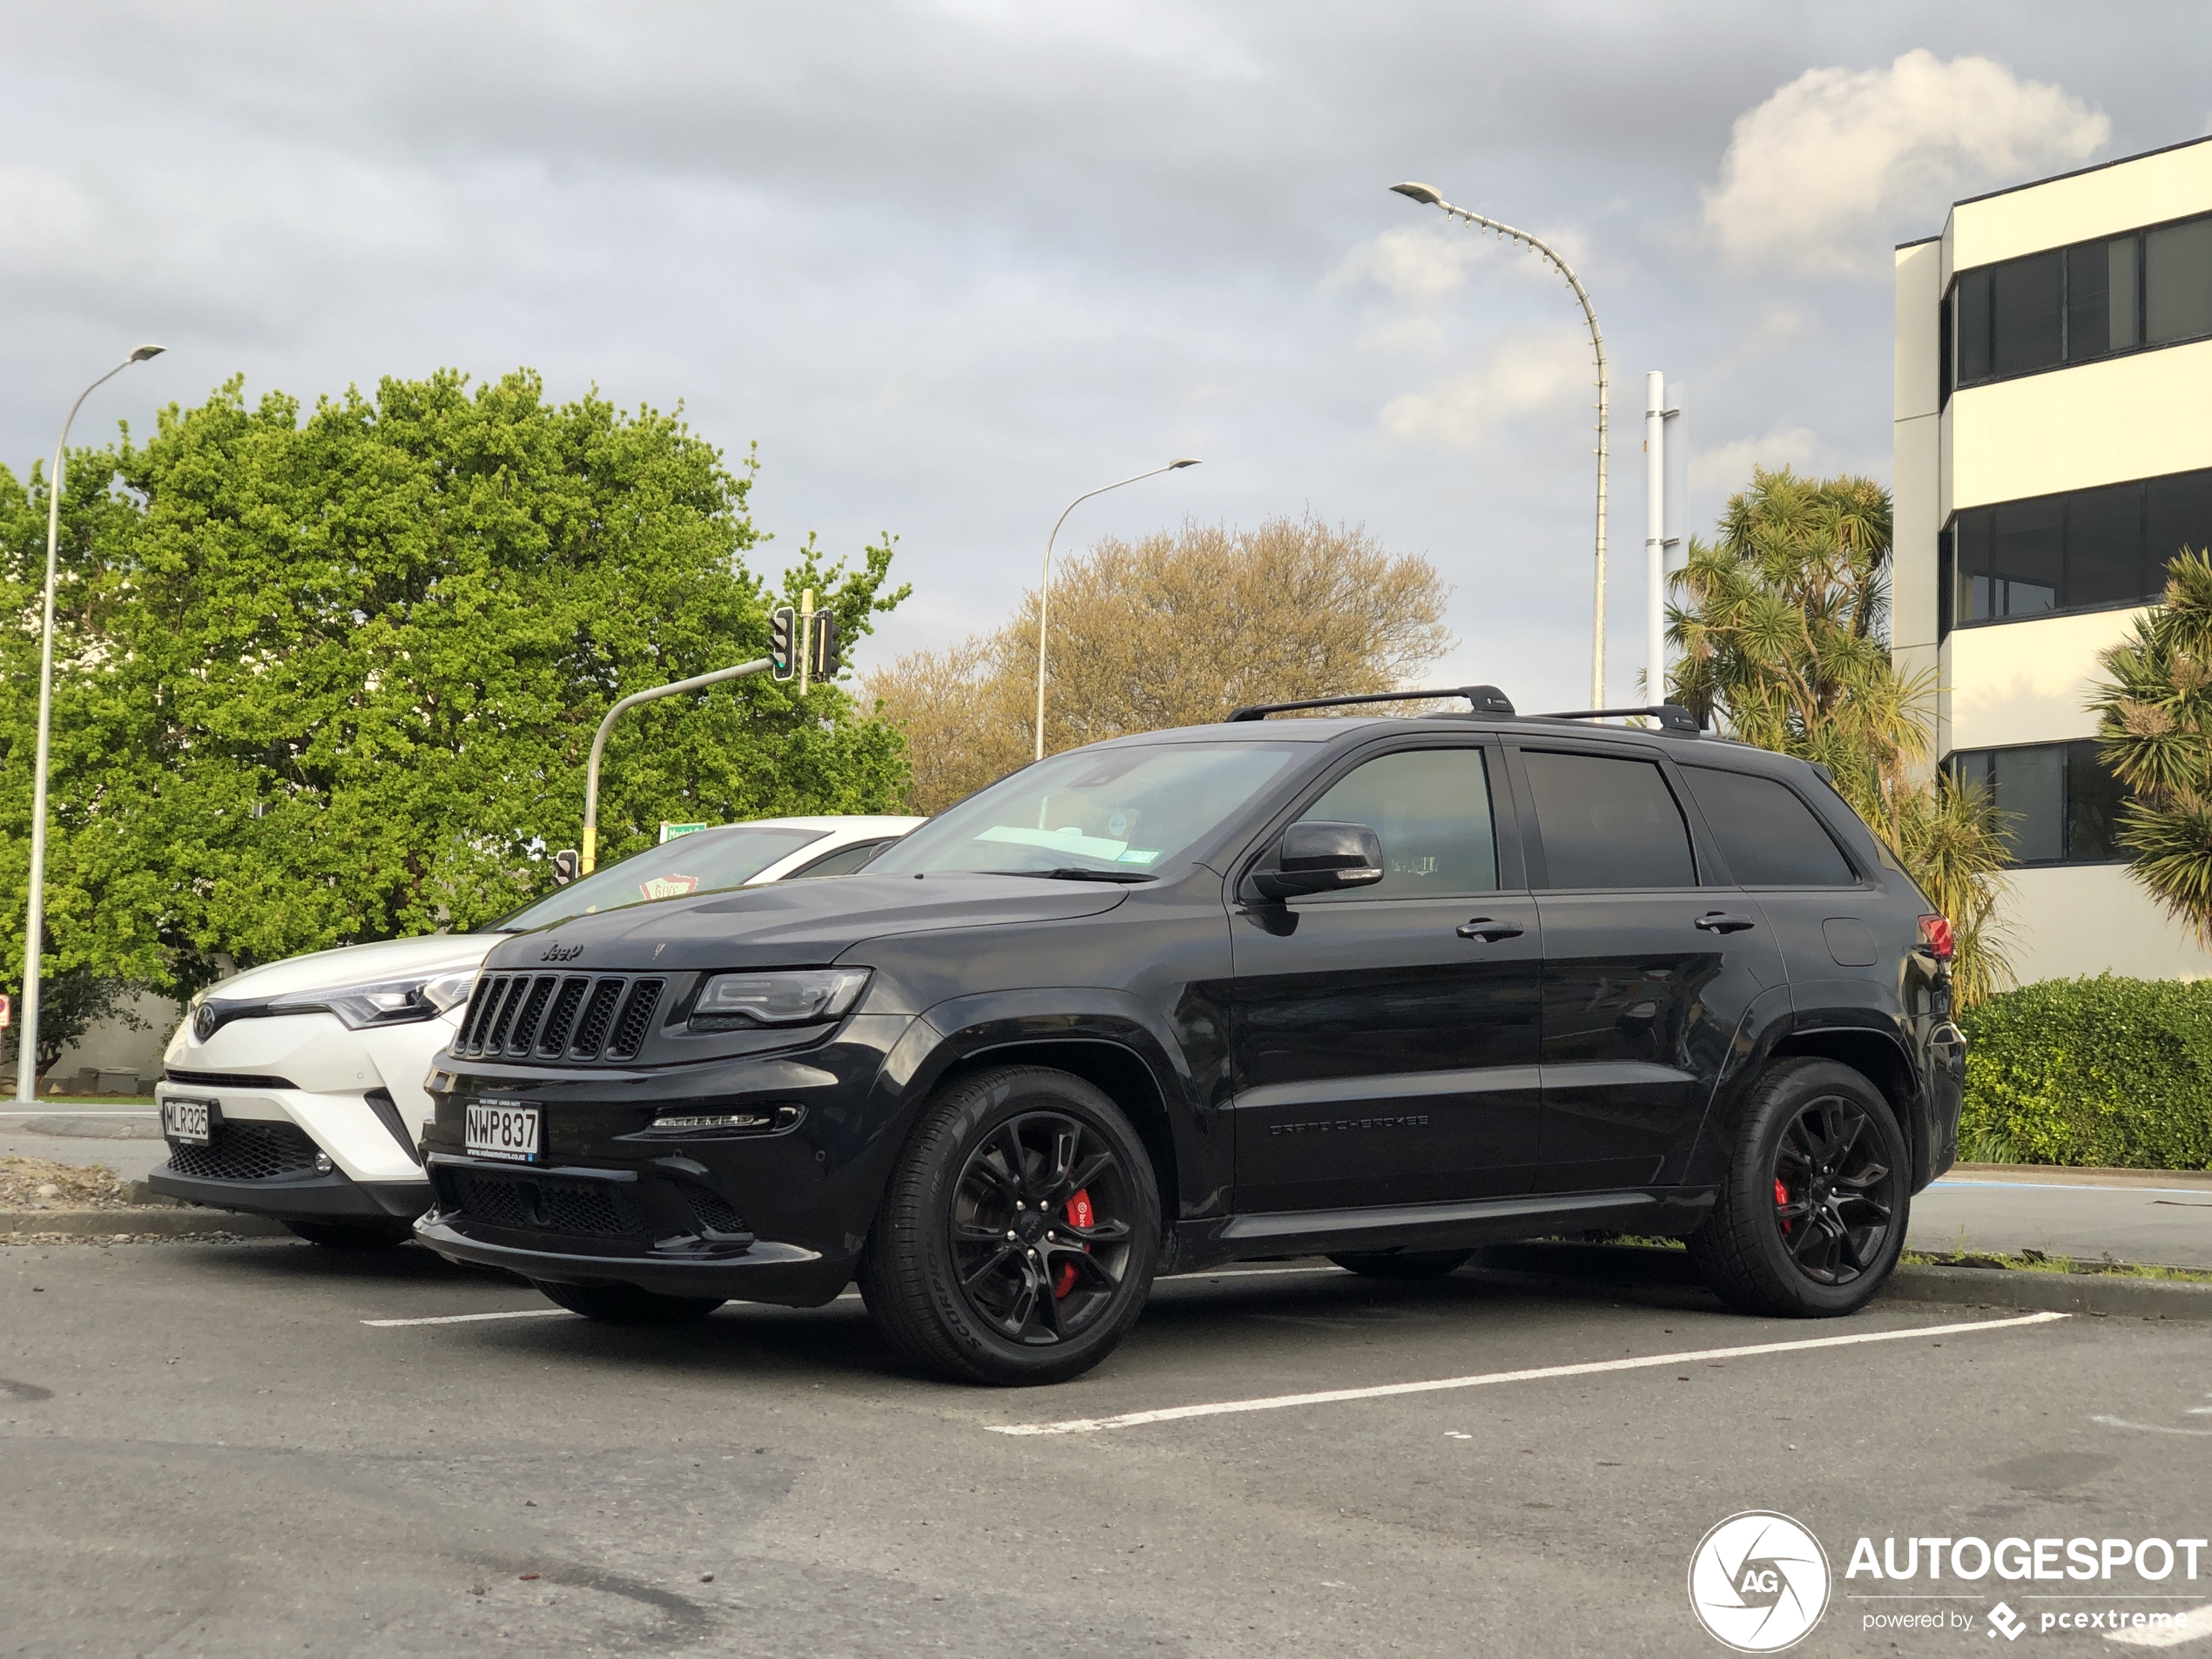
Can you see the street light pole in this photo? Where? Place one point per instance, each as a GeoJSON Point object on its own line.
{"type": "Point", "coordinates": [697, 683]}
{"type": "Point", "coordinates": [35, 917]}
{"type": "Point", "coordinates": [1044, 582]}
{"type": "Point", "coordinates": [1427, 196]}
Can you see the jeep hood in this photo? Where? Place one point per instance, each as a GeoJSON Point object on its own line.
{"type": "Point", "coordinates": [798, 924]}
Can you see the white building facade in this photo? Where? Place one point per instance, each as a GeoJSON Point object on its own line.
{"type": "Point", "coordinates": [2053, 450]}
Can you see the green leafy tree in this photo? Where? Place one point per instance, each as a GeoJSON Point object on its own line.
{"type": "Point", "coordinates": [335, 678]}
{"type": "Point", "coordinates": [2154, 716]}
{"type": "Point", "coordinates": [1783, 624]}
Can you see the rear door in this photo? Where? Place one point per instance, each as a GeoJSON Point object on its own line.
{"type": "Point", "coordinates": [1835, 928]}
{"type": "Point", "coordinates": [1647, 971]}
{"type": "Point", "coordinates": [1385, 1040]}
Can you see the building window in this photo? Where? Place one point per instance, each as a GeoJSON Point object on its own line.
{"type": "Point", "coordinates": [2083, 550]}
{"type": "Point", "coordinates": [2061, 803]}
{"type": "Point", "coordinates": [2074, 305]}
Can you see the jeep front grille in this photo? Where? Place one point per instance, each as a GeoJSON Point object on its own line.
{"type": "Point", "coordinates": [556, 1016]}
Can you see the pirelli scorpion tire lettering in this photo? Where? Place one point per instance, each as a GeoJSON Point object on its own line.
{"type": "Point", "coordinates": [1018, 1239]}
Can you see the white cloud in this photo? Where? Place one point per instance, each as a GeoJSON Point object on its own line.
{"type": "Point", "coordinates": [1424, 264]}
{"type": "Point", "coordinates": [1529, 373]}
{"type": "Point", "coordinates": [1819, 178]}
{"type": "Point", "coordinates": [1726, 468]}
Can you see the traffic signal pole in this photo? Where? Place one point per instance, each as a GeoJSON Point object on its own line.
{"type": "Point", "coordinates": [697, 683]}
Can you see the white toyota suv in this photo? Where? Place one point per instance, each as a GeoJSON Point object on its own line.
{"type": "Point", "coordinates": [290, 1090]}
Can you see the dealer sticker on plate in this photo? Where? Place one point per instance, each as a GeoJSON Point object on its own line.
{"type": "Point", "coordinates": [502, 1128]}
{"type": "Point", "coordinates": [190, 1121]}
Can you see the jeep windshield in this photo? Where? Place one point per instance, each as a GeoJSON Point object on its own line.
{"type": "Point", "coordinates": [700, 862]}
{"type": "Point", "coordinates": [1113, 815]}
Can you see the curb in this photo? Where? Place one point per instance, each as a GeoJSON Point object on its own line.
{"type": "Point", "coordinates": [2076, 1174]}
{"type": "Point", "coordinates": [2105, 1295]}
{"type": "Point", "coordinates": [176, 1221]}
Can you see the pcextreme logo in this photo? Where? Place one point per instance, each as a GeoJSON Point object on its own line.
{"type": "Point", "coordinates": [1758, 1581]}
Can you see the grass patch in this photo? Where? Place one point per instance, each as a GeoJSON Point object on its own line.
{"type": "Point", "coordinates": [2036, 1261]}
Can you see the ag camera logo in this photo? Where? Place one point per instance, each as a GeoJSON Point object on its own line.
{"type": "Point", "coordinates": [1758, 1581]}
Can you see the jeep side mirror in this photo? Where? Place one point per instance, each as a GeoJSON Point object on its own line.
{"type": "Point", "coordinates": [1315, 856]}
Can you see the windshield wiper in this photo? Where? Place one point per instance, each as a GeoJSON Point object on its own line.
{"type": "Point", "coordinates": [1069, 873]}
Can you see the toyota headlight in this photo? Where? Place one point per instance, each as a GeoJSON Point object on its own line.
{"type": "Point", "coordinates": [788, 996]}
{"type": "Point", "coordinates": [399, 1001]}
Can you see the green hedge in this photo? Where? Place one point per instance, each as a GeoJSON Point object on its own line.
{"type": "Point", "coordinates": [2105, 1071]}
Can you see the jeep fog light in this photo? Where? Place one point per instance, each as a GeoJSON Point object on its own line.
{"type": "Point", "coordinates": [322, 1163]}
{"type": "Point", "coordinates": [789, 997]}
{"type": "Point", "coordinates": [713, 1120]}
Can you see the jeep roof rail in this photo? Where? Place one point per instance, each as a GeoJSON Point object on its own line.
{"type": "Point", "coordinates": [1487, 700]}
{"type": "Point", "coordinates": [1672, 717]}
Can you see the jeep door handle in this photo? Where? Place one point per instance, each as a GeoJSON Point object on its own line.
{"type": "Point", "coordinates": [1489, 932]}
{"type": "Point", "coordinates": [1720, 922]}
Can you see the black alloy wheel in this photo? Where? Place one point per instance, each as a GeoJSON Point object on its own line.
{"type": "Point", "coordinates": [1831, 1176]}
{"type": "Point", "coordinates": [1037, 1231]}
{"type": "Point", "coordinates": [1018, 1237]}
{"type": "Point", "coordinates": [1811, 1214]}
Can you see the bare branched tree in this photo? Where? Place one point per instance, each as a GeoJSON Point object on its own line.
{"type": "Point", "coordinates": [1176, 629]}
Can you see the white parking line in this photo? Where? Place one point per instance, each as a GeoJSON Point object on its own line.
{"type": "Point", "coordinates": [2192, 1625]}
{"type": "Point", "coordinates": [469, 1319]}
{"type": "Point", "coordinates": [1333, 1396]}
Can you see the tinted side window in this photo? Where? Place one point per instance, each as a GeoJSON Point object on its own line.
{"type": "Point", "coordinates": [1432, 809]}
{"type": "Point", "coordinates": [1769, 838]}
{"type": "Point", "coordinates": [1607, 823]}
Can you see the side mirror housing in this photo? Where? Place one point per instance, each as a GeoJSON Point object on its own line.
{"type": "Point", "coordinates": [1316, 856]}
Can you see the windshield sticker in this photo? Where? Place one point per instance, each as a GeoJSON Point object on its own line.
{"type": "Point", "coordinates": [669, 887]}
{"type": "Point", "coordinates": [1133, 856]}
{"type": "Point", "coordinates": [1070, 839]}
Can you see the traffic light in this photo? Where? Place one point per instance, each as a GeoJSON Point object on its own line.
{"type": "Point", "coordinates": [783, 663]}
{"type": "Point", "coordinates": [826, 660]}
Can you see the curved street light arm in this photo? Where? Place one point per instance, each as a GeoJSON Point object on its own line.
{"type": "Point", "coordinates": [1428, 196]}
{"type": "Point", "coordinates": [35, 910]}
{"type": "Point", "coordinates": [697, 683]}
{"type": "Point", "coordinates": [1044, 582]}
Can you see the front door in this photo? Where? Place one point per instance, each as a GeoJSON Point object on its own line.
{"type": "Point", "coordinates": [1646, 974]}
{"type": "Point", "coordinates": [1385, 1040]}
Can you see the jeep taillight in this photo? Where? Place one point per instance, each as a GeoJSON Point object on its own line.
{"type": "Point", "coordinates": [1935, 936]}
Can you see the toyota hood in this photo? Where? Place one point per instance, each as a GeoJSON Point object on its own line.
{"type": "Point", "coordinates": [423, 957]}
{"type": "Point", "coordinates": [798, 924]}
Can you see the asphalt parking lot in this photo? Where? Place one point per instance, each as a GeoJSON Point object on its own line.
{"type": "Point", "coordinates": [269, 1448]}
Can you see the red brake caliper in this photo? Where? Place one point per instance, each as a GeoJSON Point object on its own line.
{"type": "Point", "coordinates": [1781, 1197]}
{"type": "Point", "coordinates": [1079, 1214]}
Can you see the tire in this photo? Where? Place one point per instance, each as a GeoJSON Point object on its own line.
{"type": "Point", "coordinates": [354, 1235]}
{"type": "Point", "coordinates": [1020, 1232]}
{"type": "Point", "coordinates": [627, 1304]}
{"type": "Point", "coordinates": [1403, 1264]}
{"type": "Point", "coordinates": [1812, 1212]}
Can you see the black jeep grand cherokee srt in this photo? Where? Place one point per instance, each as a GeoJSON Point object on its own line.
{"type": "Point", "coordinates": [1380, 988]}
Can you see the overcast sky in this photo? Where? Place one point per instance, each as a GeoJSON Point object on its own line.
{"type": "Point", "coordinates": [952, 264]}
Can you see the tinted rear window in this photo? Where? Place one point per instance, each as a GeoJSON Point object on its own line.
{"type": "Point", "coordinates": [1608, 822]}
{"type": "Point", "coordinates": [1769, 838]}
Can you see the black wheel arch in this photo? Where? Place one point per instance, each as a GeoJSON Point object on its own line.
{"type": "Point", "coordinates": [1860, 1039]}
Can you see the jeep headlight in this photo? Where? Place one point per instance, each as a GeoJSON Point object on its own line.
{"type": "Point", "coordinates": [787, 996]}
